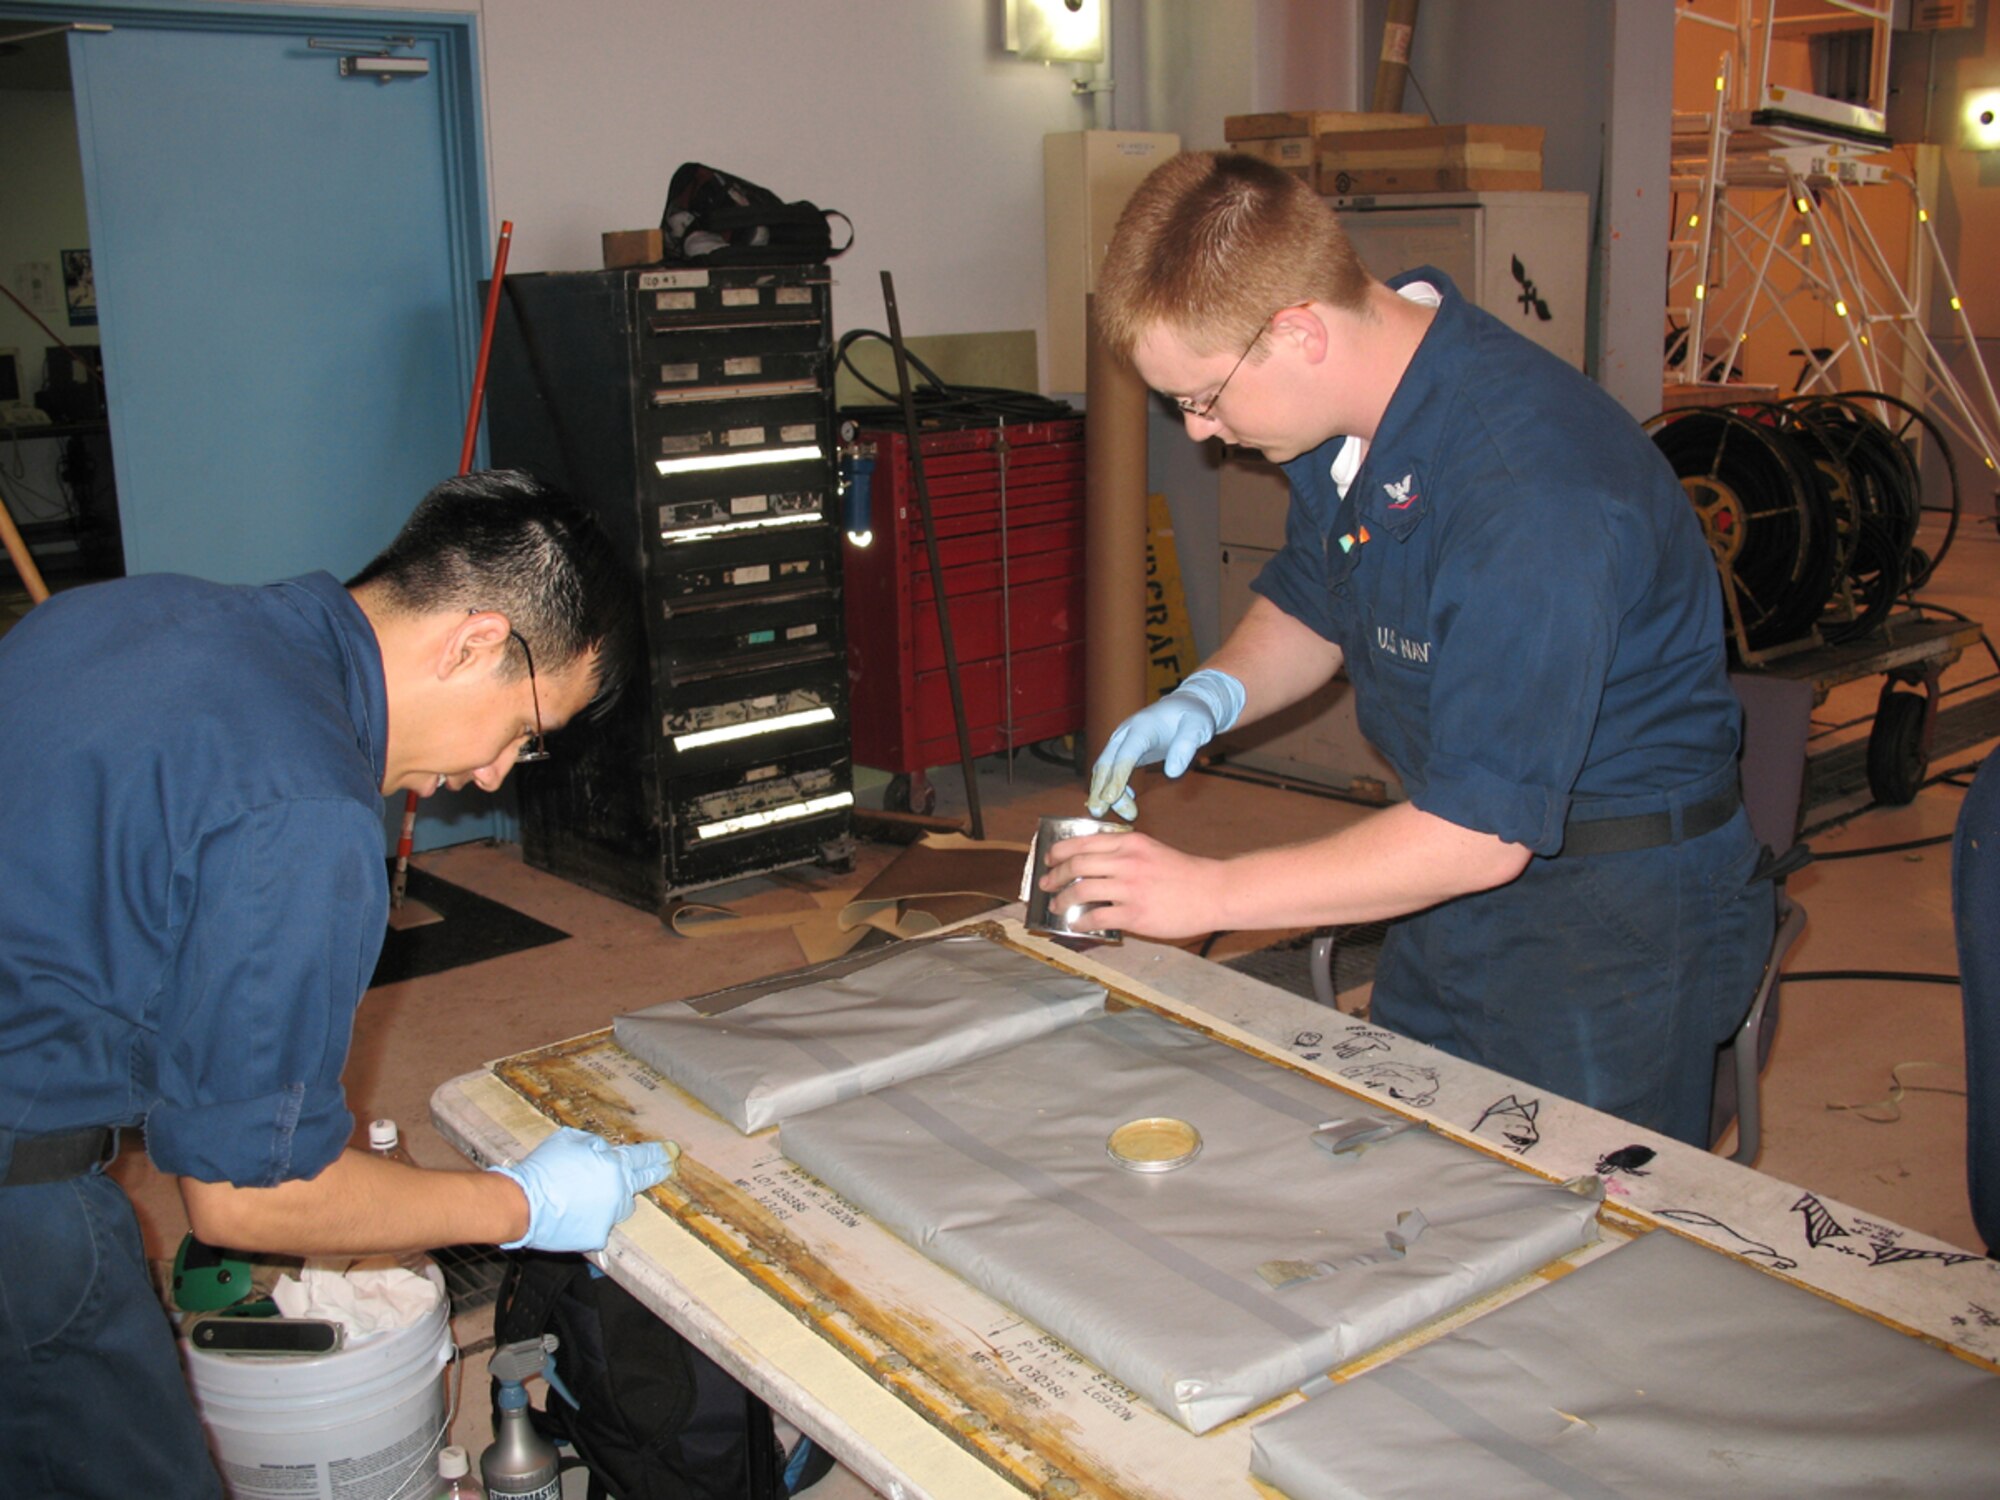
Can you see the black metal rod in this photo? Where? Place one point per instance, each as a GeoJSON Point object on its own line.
{"type": "Point", "coordinates": [915, 439]}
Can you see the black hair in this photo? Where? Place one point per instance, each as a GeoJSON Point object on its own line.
{"type": "Point", "coordinates": [502, 540]}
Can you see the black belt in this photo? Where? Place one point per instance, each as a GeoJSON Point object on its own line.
{"type": "Point", "coordinates": [1650, 830]}
{"type": "Point", "coordinates": [40, 1159]}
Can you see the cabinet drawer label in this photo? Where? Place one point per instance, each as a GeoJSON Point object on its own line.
{"type": "Point", "coordinates": [680, 373]}
{"type": "Point", "coordinates": [741, 296]}
{"type": "Point", "coordinates": [748, 364]}
{"type": "Point", "coordinates": [653, 281]}
{"type": "Point", "coordinates": [743, 437]}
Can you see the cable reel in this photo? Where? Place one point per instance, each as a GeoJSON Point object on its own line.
{"type": "Point", "coordinates": [1894, 426]}
{"type": "Point", "coordinates": [1762, 511]}
{"type": "Point", "coordinates": [1868, 556]}
{"type": "Point", "coordinates": [1810, 507]}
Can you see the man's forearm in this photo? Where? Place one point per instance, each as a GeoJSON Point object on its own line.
{"type": "Point", "coordinates": [1278, 659]}
{"type": "Point", "coordinates": [358, 1205]}
{"type": "Point", "coordinates": [1389, 864]}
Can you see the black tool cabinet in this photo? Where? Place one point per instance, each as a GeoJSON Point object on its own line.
{"type": "Point", "coordinates": [691, 410]}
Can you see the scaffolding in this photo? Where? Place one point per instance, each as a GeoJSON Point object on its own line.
{"type": "Point", "coordinates": [1768, 190]}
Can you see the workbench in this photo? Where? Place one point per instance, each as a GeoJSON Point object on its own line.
{"type": "Point", "coordinates": [925, 1387]}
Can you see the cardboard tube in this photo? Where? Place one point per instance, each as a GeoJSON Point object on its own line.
{"type": "Point", "coordinates": [1114, 542]}
{"type": "Point", "coordinates": [1393, 67]}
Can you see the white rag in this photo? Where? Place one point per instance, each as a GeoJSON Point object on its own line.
{"type": "Point", "coordinates": [362, 1302]}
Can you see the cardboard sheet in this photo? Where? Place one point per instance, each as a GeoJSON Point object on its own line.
{"type": "Point", "coordinates": [1662, 1369]}
{"type": "Point", "coordinates": [1212, 1288]}
{"type": "Point", "coordinates": [941, 879]}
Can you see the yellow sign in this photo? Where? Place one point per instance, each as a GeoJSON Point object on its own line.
{"type": "Point", "coordinates": [1169, 641]}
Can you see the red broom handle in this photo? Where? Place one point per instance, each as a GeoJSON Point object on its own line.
{"type": "Point", "coordinates": [407, 840]}
{"type": "Point", "coordinates": [485, 346]}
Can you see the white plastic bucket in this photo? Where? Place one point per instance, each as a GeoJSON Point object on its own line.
{"type": "Point", "coordinates": [361, 1423]}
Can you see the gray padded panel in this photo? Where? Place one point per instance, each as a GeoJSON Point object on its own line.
{"type": "Point", "coordinates": [861, 1024]}
{"type": "Point", "coordinates": [997, 1169]}
{"type": "Point", "coordinates": [1661, 1369]}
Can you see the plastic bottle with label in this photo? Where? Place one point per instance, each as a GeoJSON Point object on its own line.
{"type": "Point", "coordinates": [455, 1481]}
{"type": "Point", "coordinates": [384, 1139]}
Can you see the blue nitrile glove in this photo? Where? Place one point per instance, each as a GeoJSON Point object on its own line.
{"type": "Point", "coordinates": [1206, 703]}
{"type": "Point", "coordinates": [580, 1187]}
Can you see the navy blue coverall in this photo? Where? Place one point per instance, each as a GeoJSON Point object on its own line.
{"type": "Point", "coordinates": [1533, 627]}
{"type": "Point", "coordinates": [195, 900]}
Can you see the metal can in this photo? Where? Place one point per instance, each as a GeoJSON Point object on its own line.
{"type": "Point", "coordinates": [1055, 913]}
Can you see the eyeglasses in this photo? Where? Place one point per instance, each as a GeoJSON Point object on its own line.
{"type": "Point", "coordinates": [535, 747]}
{"type": "Point", "coordinates": [1201, 412]}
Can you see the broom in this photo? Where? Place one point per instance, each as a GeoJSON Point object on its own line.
{"type": "Point", "coordinates": [404, 913]}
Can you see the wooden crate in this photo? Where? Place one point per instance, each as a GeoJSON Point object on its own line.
{"type": "Point", "coordinates": [1311, 123]}
{"type": "Point", "coordinates": [1432, 159]}
{"type": "Point", "coordinates": [1297, 154]}
{"type": "Point", "coordinates": [632, 247]}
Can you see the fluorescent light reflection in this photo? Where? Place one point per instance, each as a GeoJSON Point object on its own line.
{"type": "Point", "coordinates": [723, 734]}
{"type": "Point", "coordinates": [729, 528]}
{"type": "Point", "coordinates": [789, 813]}
{"type": "Point", "coordinates": [705, 462]}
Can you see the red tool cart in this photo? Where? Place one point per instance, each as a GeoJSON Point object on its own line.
{"type": "Point", "coordinates": [1008, 502]}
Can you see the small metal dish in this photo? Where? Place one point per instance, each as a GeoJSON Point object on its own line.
{"type": "Point", "coordinates": [1158, 1143]}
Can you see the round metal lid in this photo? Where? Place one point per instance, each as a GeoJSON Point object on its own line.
{"type": "Point", "coordinates": [1158, 1143]}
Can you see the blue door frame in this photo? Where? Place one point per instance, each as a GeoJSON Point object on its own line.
{"type": "Point", "coordinates": [261, 480]}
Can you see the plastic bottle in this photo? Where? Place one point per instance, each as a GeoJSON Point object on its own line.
{"type": "Point", "coordinates": [385, 1140]}
{"type": "Point", "coordinates": [455, 1476]}
{"type": "Point", "coordinates": [519, 1464]}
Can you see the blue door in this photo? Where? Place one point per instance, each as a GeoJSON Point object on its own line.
{"type": "Point", "coordinates": [286, 256]}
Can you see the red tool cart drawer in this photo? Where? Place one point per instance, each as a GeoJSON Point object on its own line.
{"type": "Point", "coordinates": [1008, 506]}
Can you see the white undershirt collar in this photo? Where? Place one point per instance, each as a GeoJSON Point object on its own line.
{"type": "Point", "coordinates": [1347, 462]}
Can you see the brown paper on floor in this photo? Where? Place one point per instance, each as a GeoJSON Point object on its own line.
{"type": "Point", "coordinates": [942, 878]}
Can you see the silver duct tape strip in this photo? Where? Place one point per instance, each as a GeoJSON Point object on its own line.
{"type": "Point", "coordinates": [721, 1002]}
{"type": "Point", "coordinates": [856, 1025]}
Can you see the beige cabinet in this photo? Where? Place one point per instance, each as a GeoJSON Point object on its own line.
{"type": "Point", "coordinates": [1315, 741]}
{"type": "Point", "coordinates": [1524, 257]}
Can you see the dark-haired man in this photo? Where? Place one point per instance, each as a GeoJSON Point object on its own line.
{"type": "Point", "coordinates": [194, 901]}
{"type": "Point", "coordinates": [1521, 596]}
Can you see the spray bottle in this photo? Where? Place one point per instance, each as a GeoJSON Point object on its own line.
{"type": "Point", "coordinates": [519, 1464]}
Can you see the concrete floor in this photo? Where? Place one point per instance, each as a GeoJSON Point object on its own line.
{"type": "Point", "coordinates": [1840, 1043]}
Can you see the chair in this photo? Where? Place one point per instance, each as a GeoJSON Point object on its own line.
{"type": "Point", "coordinates": [1777, 714]}
{"type": "Point", "coordinates": [1975, 916]}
